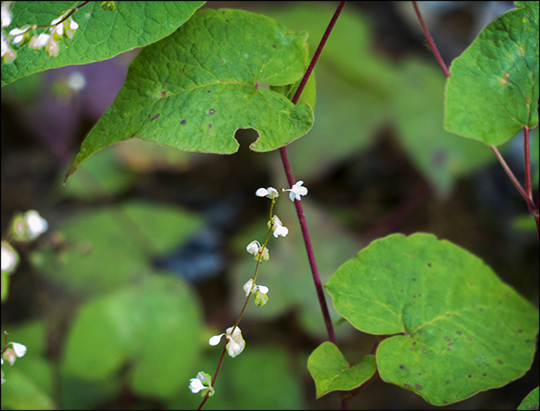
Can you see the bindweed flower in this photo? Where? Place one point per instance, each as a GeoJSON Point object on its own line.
{"type": "Point", "coordinates": [269, 192]}
{"type": "Point", "coordinates": [254, 248]}
{"type": "Point", "coordinates": [201, 384]}
{"type": "Point", "coordinates": [278, 227]}
{"type": "Point", "coordinates": [10, 258]}
{"type": "Point", "coordinates": [236, 342]}
{"type": "Point", "coordinates": [11, 354]}
{"type": "Point", "coordinates": [297, 190]}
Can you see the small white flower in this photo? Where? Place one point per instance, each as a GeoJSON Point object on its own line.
{"type": "Point", "coordinates": [35, 224]}
{"type": "Point", "coordinates": [195, 385]}
{"type": "Point", "coordinates": [10, 258]}
{"type": "Point", "coordinates": [248, 287]}
{"type": "Point", "coordinates": [278, 227]}
{"type": "Point", "coordinates": [201, 383]}
{"type": "Point", "coordinates": [17, 37]}
{"type": "Point", "coordinates": [253, 247]}
{"type": "Point", "coordinates": [236, 343]}
{"type": "Point", "coordinates": [11, 354]}
{"type": "Point", "coordinates": [38, 42]}
{"type": "Point", "coordinates": [297, 190]}
{"type": "Point", "coordinates": [263, 289]}
{"type": "Point", "coordinates": [269, 192]}
{"type": "Point", "coordinates": [6, 14]}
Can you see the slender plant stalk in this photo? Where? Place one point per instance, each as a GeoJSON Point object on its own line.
{"type": "Point", "coordinates": [298, 205]}
{"type": "Point", "coordinates": [430, 40]}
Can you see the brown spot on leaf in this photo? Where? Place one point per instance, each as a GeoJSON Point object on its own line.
{"type": "Point", "coordinates": [418, 387]}
{"type": "Point", "coordinates": [156, 116]}
{"type": "Point", "coordinates": [183, 122]}
{"type": "Point", "coordinates": [210, 126]}
{"type": "Point", "coordinates": [212, 111]}
{"type": "Point", "coordinates": [181, 70]}
{"type": "Point", "coordinates": [458, 332]}
{"type": "Point", "coordinates": [163, 94]}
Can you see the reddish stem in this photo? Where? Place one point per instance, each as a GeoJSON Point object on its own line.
{"type": "Point", "coordinates": [430, 40]}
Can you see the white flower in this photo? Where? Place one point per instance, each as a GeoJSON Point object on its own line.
{"type": "Point", "coordinates": [236, 343]}
{"type": "Point", "coordinates": [195, 385]}
{"type": "Point", "coordinates": [248, 287]}
{"type": "Point", "coordinates": [40, 41]}
{"type": "Point", "coordinates": [297, 190]}
{"type": "Point", "coordinates": [201, 383]}
{"type": "Point", "coordinates": [269, 192]}
{"type": "Point", "coordinates": [10, 258]}
{"type": "Point", "coordinates": [35, 224]}
{"type": "Point", "coordinates": [6, 14]}
{"type": "Point", "coordinates": [11, 354]}
{"type": "Point", "coordinates": [278, 227]}
{"type": "Point", "coordinates": [18, 37]}
{"type": "Point", "coordinates": [253, 247]}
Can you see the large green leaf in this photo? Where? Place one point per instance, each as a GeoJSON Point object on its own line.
{"type": "Point", "coordinates": [101, 34]}
{"type": "Point", "coordinates": [153, 325]}
{"type": "Point", "coordinates": [195, 88]}
{"type": "Point", "coordinates": [331, 371]}
{"type": "Point", "coordinates": [461, 329]}
{"type": "Point", "coordinates": [493, 88]}
{"type": "Point", "coordinates": [111, 246]}
{"type": "Point", "coordinates": [440, 156]}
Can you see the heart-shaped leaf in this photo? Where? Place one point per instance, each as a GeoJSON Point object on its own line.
{"type": "Point", "coordinates": [462, 329]}
{"type": "Point", "coordinates": [331, 371]}
{"type": "Point", "coordinates": [493, 88]}
{"type": "Point", "coordinates": [195, 88]}
{"type": "Point", "coordinates": [101, 34]}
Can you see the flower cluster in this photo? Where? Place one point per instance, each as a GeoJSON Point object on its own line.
{"type": "Point", "coordinates": [235, 341]}
{"type": "Point", "coordinates": [61, 27]}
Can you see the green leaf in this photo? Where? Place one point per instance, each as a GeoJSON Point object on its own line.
{"type": "Point", "coordinates": [106, 248]}
{"type": "Point", "coordinates": [153, 325]}
{"type": "Point", "coordinates": [493, 88]}
{"type": "Point", "coordinates": [331, 371]}
{"type": "Point", "coordinates": [531, 401]}
{"type": "Point", "coordinates": [195, 88]}
{"type": "Point", "coordinates": [101, 34]}
{"type": "Point", "coordinates": [462, 329]}
{"type": "Point", "coordinates": [19, 392]}
{"type": "Point", "coordinates": [441, 157]}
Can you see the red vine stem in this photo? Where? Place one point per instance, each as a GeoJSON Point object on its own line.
{"type": "Point", "coordinates": [298, 205]}
{"type": "Point", "coordinates": [290, 179]}
{"type": "Point", "coordinates": [430, 40]}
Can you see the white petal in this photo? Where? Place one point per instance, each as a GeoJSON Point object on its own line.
{"type": "Point", "coordinates": [35, 224]}
{"type": "Point", "coordinates": [272, 192]}
{"type": "Point", "coordinates": [248, 286]}
{"type": "Point", "coordinates": [9, 258]}
{"type": "Point", "coordinates": [19, 349]}
{"type": "Point", "coordinates": [195, 385]}
{"type": "Point", "coordinates": [253, 247]}
{"type": "Point", "coordinates": [263, 289]}
{"type": "Point", "coordinates": [261, 192]}
{"type": "Point", "coordinates": [215, 339]}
